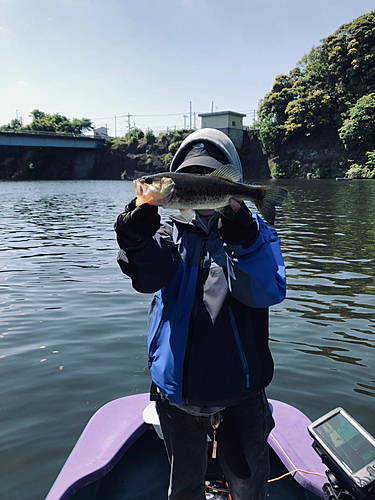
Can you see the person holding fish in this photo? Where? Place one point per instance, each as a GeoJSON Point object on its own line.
{"type": "Point", "coordinates": [214, 271]}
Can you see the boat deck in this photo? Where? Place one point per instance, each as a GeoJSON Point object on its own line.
{"type": "Point", "coordinates": [143, 473]}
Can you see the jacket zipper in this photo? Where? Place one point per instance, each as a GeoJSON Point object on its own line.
{"type": "Point", "coordinates": [155, 334]}
{"type": "Point", "coordinates": [241, 351]}
{"type": "Point", "coordinates": [192, 317]}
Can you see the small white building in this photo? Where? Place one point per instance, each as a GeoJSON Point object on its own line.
{"type": "Point", "coordinates": [101, 132]}
{"type": "Point", "coordinates": [229, 122]}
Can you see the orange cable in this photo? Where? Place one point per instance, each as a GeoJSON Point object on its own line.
{"type": "Point", "coordinates": [293, 471]}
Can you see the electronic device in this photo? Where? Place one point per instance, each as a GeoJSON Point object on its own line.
{"type": "Point", "coordinates": [348, 451]}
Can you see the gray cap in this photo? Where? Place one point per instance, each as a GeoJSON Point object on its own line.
{"type": "Point", "coordinates": [206, 147]}
{"type": "Point", "coordinates": [203, 155]}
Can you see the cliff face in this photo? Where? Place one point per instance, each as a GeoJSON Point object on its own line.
{"type": "Point", "coordinates": [320, 154]}
{"type": "Point", "coordinates": [254, 159]}
{"type": "Point", "coordinates": [142, 158]}
{"type": "Point", "coordinates": [27, 163]}
{"type": "Point", "coordinates": [129, 161]}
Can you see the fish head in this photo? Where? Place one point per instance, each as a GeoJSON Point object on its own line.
{"type": "Point", "coordinates": [154, 190]}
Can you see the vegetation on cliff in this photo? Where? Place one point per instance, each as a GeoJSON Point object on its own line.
{"type": "Point", "coordinates": [137, 153]}
{"type": "Point", "coordinates": [332, 90]}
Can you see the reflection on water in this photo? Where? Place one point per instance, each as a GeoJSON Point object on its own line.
{"type": "Point", "coordinates": [328, 234]}
{"type": "Point", "coordinates": [73, 332]}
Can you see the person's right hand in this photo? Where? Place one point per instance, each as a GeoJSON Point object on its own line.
{"type": "Point", "coordinates": [137, 223]}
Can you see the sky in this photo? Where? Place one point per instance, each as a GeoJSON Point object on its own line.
{"type": "Point", "coordinates": [160, 61]}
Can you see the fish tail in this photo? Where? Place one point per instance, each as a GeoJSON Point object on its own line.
{"type": "Point", "coordinates": [273, 196]}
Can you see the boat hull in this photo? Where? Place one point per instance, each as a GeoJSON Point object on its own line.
{"type": "Point", "coordinates": [120, 456]}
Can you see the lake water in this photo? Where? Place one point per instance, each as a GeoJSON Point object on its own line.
{"type": "Point", "coordinates": [73, 332]}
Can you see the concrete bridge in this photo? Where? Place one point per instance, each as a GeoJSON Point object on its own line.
{"type": "Point", "coordinates": [49, 140]}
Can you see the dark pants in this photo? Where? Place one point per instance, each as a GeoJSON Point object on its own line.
{"type": "Point", "coordinates": [185, 439]}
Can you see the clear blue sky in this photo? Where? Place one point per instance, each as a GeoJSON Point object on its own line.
{"type": "Point", "coordinates": [100, 58]}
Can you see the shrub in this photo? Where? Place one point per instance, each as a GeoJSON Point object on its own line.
{"type": "Point", "coordinates": [286, 169]}
{"type": "Point", "coordinates": [163, 138]}
{"type": "Point", "coordinates": [150, 138]}
{"type": "Point", "coordinates": [277, 172]}
{"type": "Point", "coordinates": [178, 135]}
{"type": "Point", "coordinates": [174, 147]}
{"type": "Point", "coordinates": [132, 140]}
{"type": "Point", "coordinates": [115, 144]}
{"type": "Point", "coordinates": [366, 171]}
{"type": "Point", "coordinates": [167, 159]}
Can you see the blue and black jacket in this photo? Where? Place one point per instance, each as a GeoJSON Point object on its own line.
{"type": "Point", "coordinates": [208, 333]}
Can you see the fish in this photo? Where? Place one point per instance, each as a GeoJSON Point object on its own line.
{"type": "Point", "coordinates": [188, 192]}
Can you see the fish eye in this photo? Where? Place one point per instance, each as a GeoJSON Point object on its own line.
{"type": "Point", "coordinates": [148, 180]}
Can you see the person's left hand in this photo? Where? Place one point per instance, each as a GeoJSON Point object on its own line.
{"type": "Point", "coordinates": [242, 229]}
{"type": "Point", "coordinates": [235, 205]}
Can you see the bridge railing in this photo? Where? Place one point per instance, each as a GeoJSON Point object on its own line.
{"type": "Point", "coordinates": [53, 134]}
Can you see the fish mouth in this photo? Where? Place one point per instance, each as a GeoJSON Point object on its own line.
{"type": "Point", "coordinates": [138, 187]}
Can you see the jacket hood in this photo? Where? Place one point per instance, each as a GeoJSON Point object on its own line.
{"type": "Point", "coordinates": [210, 136]}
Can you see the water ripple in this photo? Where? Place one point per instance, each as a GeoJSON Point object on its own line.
{"type": "Point", "coordinates": [73, 331]}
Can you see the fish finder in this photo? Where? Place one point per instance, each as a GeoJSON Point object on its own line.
{"type": "Point", "coordinates": [348, 451]}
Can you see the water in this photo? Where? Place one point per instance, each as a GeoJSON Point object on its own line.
{"type": "Point", "coordinates": [73, 332]}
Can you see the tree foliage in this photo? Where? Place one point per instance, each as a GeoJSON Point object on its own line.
{"type": "Point", "coordinates": [358, 130]}
{"type": "Point", "coordinates": [363, 171]}
{"type": "Point", "coordinates": [52, 123]}
{"type": "Point", "coordinates": [323, 87]}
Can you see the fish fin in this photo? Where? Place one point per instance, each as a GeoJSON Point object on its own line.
{"type": "Point", "coordinates": [187, 214]}
{"type": "Point", "coordinates": [273, 197]}
{"type": "Point", "coordinates": [227, 212]}
{"type": "Point", "coordinates": [228, 172]}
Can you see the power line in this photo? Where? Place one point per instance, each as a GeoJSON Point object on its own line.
{"type": "Point", "coordinates": [126, 116]}
{"type": "Point", "coordinates": [251, 115]}
{"type": "Point", "coordinates": [165, 114]}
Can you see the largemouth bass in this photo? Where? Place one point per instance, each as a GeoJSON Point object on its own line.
{"type": "Point", "coordinates": [204, 192]}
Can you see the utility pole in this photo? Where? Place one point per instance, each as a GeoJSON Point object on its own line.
{"type": "Point", "coordinates": [185, 116]}
{"type": "Point", "coordinates": [115, 127]}
{"type": "Point", "coordinates": [129, 126]}
{"type": "Point", "coordinates": [190, 117]}
{"type": "Point", "coordinates": [212, 107]}
{"type": "Point", "coordinates": [195, 119]}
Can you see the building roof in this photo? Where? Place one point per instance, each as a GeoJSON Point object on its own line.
{"type": "Point", "coordinates": [217, 113]}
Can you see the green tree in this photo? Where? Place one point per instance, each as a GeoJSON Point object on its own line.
{"type": "Point", "coordinates": [57, 123]}
{"type": "Point", "coordinates": [358, 130]}
{"type": "Point", "coordinates": [14, 124]}
{"type": "Point", "coordinates": [366, 171]}
{"type": "Point", "coordinates": [323, 87]}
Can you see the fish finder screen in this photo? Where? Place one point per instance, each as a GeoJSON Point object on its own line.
{"type": "Point", "coordinates": [346, 442]}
